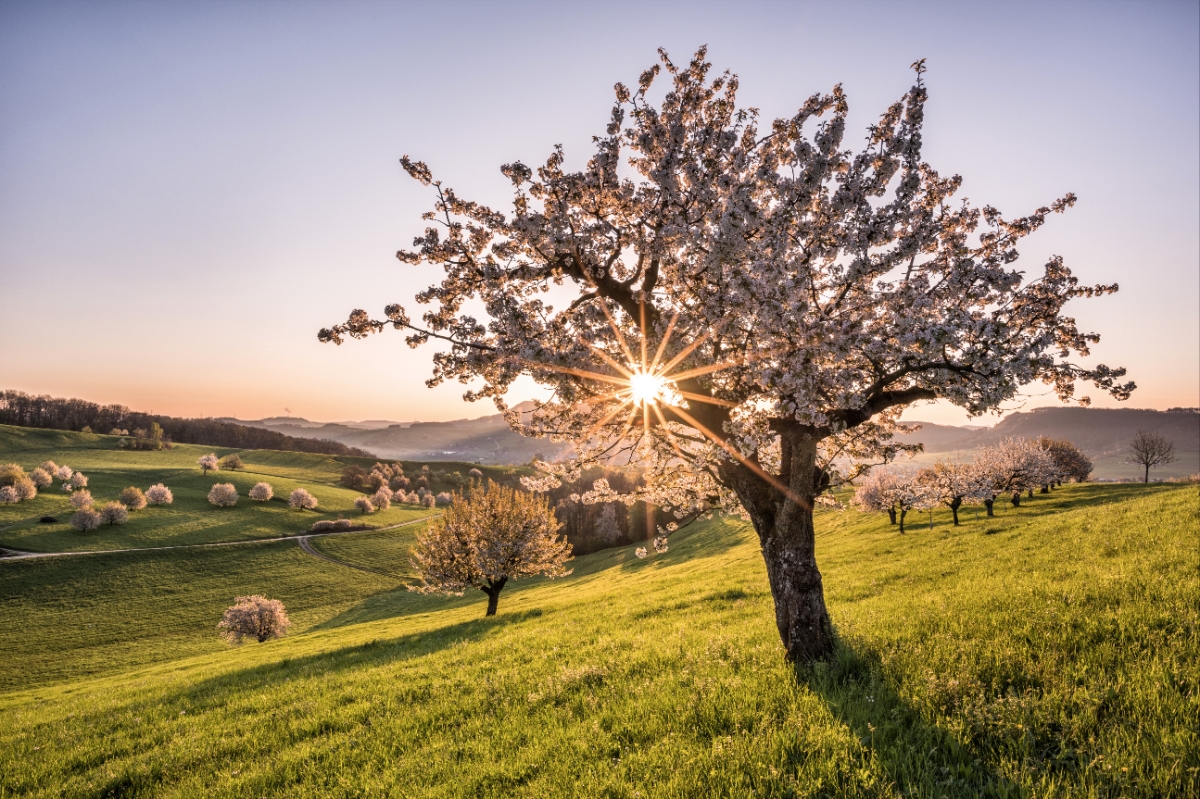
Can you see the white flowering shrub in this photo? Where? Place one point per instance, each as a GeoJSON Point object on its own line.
{"type": "Point", "coordinates": [113, 513]}
{"type": "Point", "coordinates": [254, 617]}
{"type": "Point", "coordinates": [78, 480]}
{"type": "Point", "coordinates": [41, 478]}
{"type": "Point", "coordinates": [159, 494]}
{"type": "Point", "coordinates": [607, 529]}
{"type": "Point", "coordinates": [740, 310]}
{"type": "Point", "coordinates": [475, 474]}
{"type": "Point", "coordinates": [364, 504]}
{"type": "Point", "coordinates": [208, 463]}
{"type": "Point", "coordinates": [302, 500]}
{"type": "Point", "coordinates": [223, 495]}
{"type": "Point", "coordinates": [50, 468]}
{"type": "Point", "coordinates": [443, 499]}
{"type": "Point", "coordinates": [261, 492]}
{"type": "Point", "coordinates": [8, 495]}
{"type": "Point", "coordinates": [427, 501]}
{"type": "Point", "coordinates": [81, 499]}
{"type": "Point", "coordinates": [85, 519]}
{"type": "Point", "coordinates": [62, 472]}
{"type": "Point", "coordinates": [496, 535]}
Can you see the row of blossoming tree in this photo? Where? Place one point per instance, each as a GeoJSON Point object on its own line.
{"type": "Point", "coordinates": [1012, 467]}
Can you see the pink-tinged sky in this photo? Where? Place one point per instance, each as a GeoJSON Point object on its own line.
{"type": "Point", "coordinates": [189, 191]}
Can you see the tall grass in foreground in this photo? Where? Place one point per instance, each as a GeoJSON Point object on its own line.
{"type": "Point", "coordinates": [1049, 652]}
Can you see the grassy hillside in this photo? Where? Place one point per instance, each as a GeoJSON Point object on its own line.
{"type": "Point", "coordinates": [1051, 651]}
{"type": "Point", "coordinates": [190, 519]}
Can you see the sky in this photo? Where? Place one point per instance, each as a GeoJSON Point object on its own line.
{"type": "Point", "coordinates": [190, 190]}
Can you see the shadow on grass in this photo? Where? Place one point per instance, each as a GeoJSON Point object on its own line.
{"type": "Point", "coordinates": [920, 758]}
{"type": "Point", "coordinates": [398, 602]}
{"type": "Point", "coordinates": [376, 652]}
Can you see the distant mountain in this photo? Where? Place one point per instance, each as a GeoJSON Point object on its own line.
{"type": "Point", "coordinates": [1096, 431]}
{"type": "Point", "coordinates": [1102, 433]}
{"type": "Point", "coordinates": [486, 440]}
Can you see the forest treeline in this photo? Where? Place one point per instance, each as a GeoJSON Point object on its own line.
{"type": "Point", "coordinates": [57, 413]}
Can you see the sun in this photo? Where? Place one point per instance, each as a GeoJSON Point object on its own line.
{"type": "Point", "coordinates": [646, 388]}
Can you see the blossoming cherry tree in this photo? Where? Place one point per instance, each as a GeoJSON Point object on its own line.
{"type": "Point", "coordinates": [736, 308]}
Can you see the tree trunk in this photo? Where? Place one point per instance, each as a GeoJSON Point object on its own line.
{"type": "Point", "coordinates": [493, 590]}
{"type": "Point", "coordinates": [1046, 489]}
{"type": "Point", "coordinates": [903, 513]}
{"type": "Point", "coordinates": [1016, 499]}
{"type": "Point", "coordinates": [954, 506]}
{"type": "Point", "coordinates": [784, 523]}
{"type": "Point", "coordinates": [892, 515]}
{"type": "Point", "coordinates": [990, 505]}
{"type": "Point", "coordinates": [1031, 493]}
{"type": "Point", "coordinates": [1146, 479]}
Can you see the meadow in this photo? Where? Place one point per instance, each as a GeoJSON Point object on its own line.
{"type": "Point", "coordinates": [1051, 651]}
{"type": "Point", "coordinates": [190, 519]}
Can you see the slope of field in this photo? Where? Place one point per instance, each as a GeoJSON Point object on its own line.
{"type": "Point", "coordinates": [190, 519]}
{"type": "Point", "coordinates": [1051, 651]}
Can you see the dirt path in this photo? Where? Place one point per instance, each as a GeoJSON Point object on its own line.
{"type": "Point", "coordinates": [316, 553]}
{"type": "Point", "coordinates": [17, 554]}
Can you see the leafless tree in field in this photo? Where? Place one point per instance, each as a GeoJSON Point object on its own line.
{"type": "Point", "coordinates": [1150, 449]}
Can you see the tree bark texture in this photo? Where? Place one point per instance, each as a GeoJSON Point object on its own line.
{"type": "Point", "coordinates": [1016, 499]}
{"type": "Point", "coordinates": [990, 504]}
{"type": "Point", "coordinates": [784, 523]}
{"type": "Point", "coordinates": [892, 515]}
{"type": "Point", "coordinates": [955, 504]}
{"type": "Point", "coordinates": [493, 590]}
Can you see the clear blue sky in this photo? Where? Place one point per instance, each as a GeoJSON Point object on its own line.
{"type": "Point", "coordinates": [189, 191]}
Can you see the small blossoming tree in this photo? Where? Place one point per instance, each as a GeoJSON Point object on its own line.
{"type": "Point", "coordinates": [302, 500]}
{"type": "Point", "coordinates": [159, 494]}
{"type": "Point", "coordinates": [114, 513]}
{"type": "Point", "coordinates": [133, 498]}
{"type": "Point", "coordinates": [953, 482]}
{"type": "Point", "coordinates": [262, 492]}
{"type": "Point", "coordinates": [208, 463]}
{"type": "Point", "coordinates": [223, 495]}
{"type": "Point", "coordinates": [750, 306]}
{"type": "Point", "coordinates": [496, 535]}
{"type": "Point", "coordinates": [254, 617]}
{"type": "Point", "coordinates": [85, 520]}
{"type": "Point", "coordinates": [41, 478]}
{"type": "Point", "coordinates": [81, 499]}
{"type": "Point", "coordinates": [364, 505]}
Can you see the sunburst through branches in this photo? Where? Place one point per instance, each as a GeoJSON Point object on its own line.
{"type": "Point", "coordinates": [646, 384]}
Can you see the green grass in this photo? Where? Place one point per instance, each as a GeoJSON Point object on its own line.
{"type": "Point", "coordinates": [383, 550]}
{"type": "Point", "coordinates": [1052, 651]}
{"type": "Point", "coordinates": [190, 519]}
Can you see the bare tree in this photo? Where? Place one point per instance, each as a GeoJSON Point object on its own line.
{"type": "Point", "coordinates": [1151, 449]}
{"type": "Point", "coordinates": [254, 617]}
{"type": "Point", "coordinates": [232, 463]}
{"type": "Point", "coordinates": [498, 534]}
